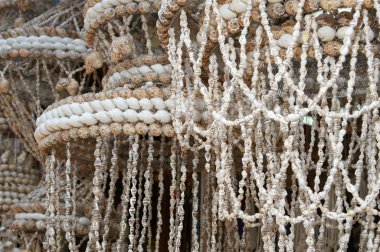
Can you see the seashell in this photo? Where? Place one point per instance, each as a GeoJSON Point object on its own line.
{"type": "Point", "coordinates": [4, 86]}
{"type": "Point", "coordinates": [146, 116]}
{"type": "Point", "coordinates": [19, 22]}
{"type": "Point", "coordinates": [74, 121]}
{"type": "Point", "coordinates": [276, 10]}
{"type": "Point", "coordinates": [326, 19]}
{"type": "Point", "coordinates": [133, 103]}
{"type": "Point", "coordinates": [332, 48]}
{"type": "Point", "coordinates": [311, 5]}
{"type": "Point", "coordinates": [141, 128]}
{"type": "Point", "coordinates": [370, 35]}
{"type": "Point", "coordinates": [368, 4]}
{"type": "Point", "coordinates": [144, 7]}
{"type": "Point", "coordinates": [151, 76]}
{"type": "Point", "coordinates": [226, 13]}
{"type": "Point", "coordinates": [349, 3]}
{"type": "Point", "coordinates": [107, 104]}
{"type": "Point", "coordinates": [140, 93]}
{"type": "Point", "coordinates": [238, 6]}
{"type": "Point", "coordinates": [121, 48]}
{"type": "Point", "coordinates": [233, 25]}
{"type": "Point", "coordinates": [286, 40]}
{"type": "Point", "coordinates": [129, 129]}
{"type": "Point", "coordinates": [330, 5]}
{"type": "Point", "coordinates": [158, 103]}
{"type": "Point", "coordinates": [93, 61]}
{"type": "Point", "coordinates": [116, 115]}
{"type": "Point", "coordinates": [144, 69]}
{"type": "Point", "coordinates": [120, 103]}
{"type": "Point", "coordinates": [162, 116]}
{"type": "Point", "coordinates": [345, 31]}
{"type": "Point", "coordinates": [158, 68]}
{"type": "Point", "coordinates": [168, 130]}
{"type": "Point", "coordinates": [326, 33]}
{"type": "Point", "coordinates": [130, 115]}
{"type": "Point", "coordinates": [131, 8]}
{"type": "Point", "coordinates": [277, 31]}
{"type": "Point", "coordinates": [155, 129]}
{"type": "Point", "coordinates": [291, 7]}
{"type": "Point", "coordinates": [145, 104]}
{"type": "Point", "coordinates": [344, 18]}
{"type": "Point", "coordinates": [103, 117]}
{"type": "Point", "coordinates": [96, 105]}
{"type": "Point", "coordinates": [13, 53]}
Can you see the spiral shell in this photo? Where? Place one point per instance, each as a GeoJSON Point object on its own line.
{"type": "Point", "coordinates": [332, 48]}
{"type": "Point", "coordinates": [233, 25]}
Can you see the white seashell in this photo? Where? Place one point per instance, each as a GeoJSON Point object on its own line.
{"type": "Point", "coordinates": [74, 121]}
{"type": "Point", "coordinates": [67, 40]}
{"type": "Point", "coordinates": [226, 13]}
{"type": "Point", "coordinates": [11, 41]}
{"type": "Point", "coordinates": [162, 116]}
{"type": "Point", "coordinates": [326, 33]}
{"type": "Point", "coordinates": [88, 119]}
{"type": "Point", "coordinates": [146, 116]}
{"type": "Point", "coordinates": [86, 107]}
{"type": "Point", "coordinates": [84, 221]}
{"type": "Point", "coordinates": [49, 125]}
{"type": "Point", "coordinates": [96, 105]}
{"type": "Point", "coordinates": [197, 116]}
{"type": "Point", "coordinates": [116, 77]}
{"type": "Point", "coordinates": [16, 45]}
{"type": "Point", "coordinates": [107, 104]}
{"type": "Point", "coordinates": [91, 13]}
{"type": "Point", "coordinates": [238, 6]}
{"type": "Point", "coordinates": [48, 115]}
{"type": "Point", "coordinates": [275, 1]}
{"type": "Point", "coordinates": [133, 103]}
{"type": "Point", "coordinates": [98, 8]}
{"type": "Point", "coordinates": [145, 104]}
{"type": "Point", "coordinates": [158, 103]}
{"type": "Point", "coordinates": [44, 39]}
{"type": "Point", "coordinates": [60, 46]}
{"type": "Point", "coordinates": [38, 121]}
{"type": "Point", "coordinates": [144, 69]}
{"type": "Point", "coordinates": [55, 124]}
{"type": "Point", "coordinates": [71, 47]}
{"type": "Point", "coordinates": [125, 1]}
{"type": "Point", "coordinates": [76, 108]}
{"type": "Point", "coordinates": [64, 123]}
{"type": "Point", "coordinates": [169, 104]}
{"type": "Point", "coordinates": [54, 112]}
{"type": "Point", "coordinates": [3, 42]}
{"type": "Point", "coordinates": [345, 31]}
{"type": "Point", "coordinates": [79, 42]}
{"type": "Point", "coordinates": [25, 44]}
{"type": "Point", "coordinates": [48, 45]}
{"type": "Point", "coordinates": [370, 34]}
{"type": "Point", "coordinates": [103, 117]}
{"type": "Point", "coordinates": [37, 45]}
{"type": "Point", "coordinates": [130, 115]}
{"type": "Point", "coordinates": [111, 80]}
{"type": "Point", "coordinates": [125, 74]}
{"type": "Point", "coordinates": [106, 4]}
{"type": "Point", "coordinates": [116, 115]}
{"type": "Point", "coordinates": [5, 48]}
{"type": "Point", "coordinates": [158, 68]}
{"type": "Point", "coordinates": [120, 103]}
{"type": "Point", "coordinates": [60, 112]}
{"type": "Point", "coordinates": [66, 110]}
{"type": "Point", "coordinates": [286, 40]}
{"type": "Point", "coordinates": [168, 68]}
{"type": "Point", "coordinates": [133, 70]}
{"type": "Point", "coordinates": [81, 48]}
{"type": "Point", "coordinates": [21, 39]}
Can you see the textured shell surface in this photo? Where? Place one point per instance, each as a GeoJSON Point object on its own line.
{"type": "Point", "coordinates": [131, 116]}
{"type": "Point", "coordinates": [226, 13]}
{"type": "Point", "coordinates": [326, 33]}
{"type": "Point", "coordinates": [103, 117]}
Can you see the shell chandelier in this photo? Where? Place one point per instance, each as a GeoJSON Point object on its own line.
{"type": "Point", "coordinates": [291, 91]}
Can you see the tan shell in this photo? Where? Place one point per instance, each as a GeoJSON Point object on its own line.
{"type": "Point", "coordinates": [349, 3]}
{"type": "Point", "coordinates": [368, 4]}
{"type": "Point", "coordinates": [168, 130]}
{"type": "Point", "coordinates": [277, 31]}
{"type": "Point", "coordinates": [276, 10]}
{"type": "Point", "coordinates": [311, 6]}
{"type": "Point", "coordinates": [121, 48]}
{"type": "Point", "coordinates": [344, 18]}
{"type": "Point", "coordinates": [4, 86]}
{"type": "Point", "coordinates": [93, 61]}
{"type": "Point", "coordinates": [141, 128]}
{"type": "Point", "coordinates": [68, 84]}
{"type": "Point", "coordinates": [291, 7]}
{"type": "Point", "coordinates": [326, 19]}
{"type": "Point", "coordinates": [330, 5]}
{"type": "Point", "coordinates": [288, 26]}
{"type": "Point", "coordinates": [155, 129]}
{"type": "Point", "coordinates": [332, 48]}
{"type": "Point", "coordinates": [233, 25]}
{"type": "Point", "coordinates": [129, 129]}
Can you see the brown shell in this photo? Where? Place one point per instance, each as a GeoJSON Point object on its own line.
{"type": "Point", "coordinates": [349, 3]}
{"type": "Point", "coordinates": [256, 17]}
{"type": "Point", "coordinates": [277, 31]}
{"type": "Point", "coordinates": [93, 61]}
{"type": "Point", "coordinates": [4, 86]}
{"type": "Point", "coordinates": [344, 18]}
{"type": "Point", "coordinates": [168, 130]}
{"type": "Point", "coordinates": [291, 7]}
{"type": "Point", "coordinates": [155, 129]}
{"type": "Point", "coordinates": [145, 7]}
{"type": "Point", "coordinates": [154, 92]}
{"type": "Point", "coordinates": [330, 5]}
{"type": "Point", "coordinates": [129, 129]}
{"type": "Point", "coordinates": [326, 19]}
{"type": "Point", "coordinates": [368, 4]}
{"type": "Point", "coordinates": [288, 26]}
{"type": "Point", "coordinates": [121, 48]}
{"type": "Point", "coordinates": [276, 10]}
{"type": "Point", "coordinates": [132, 8]}
{"type": "Point", "coordinates": [311, 6]}
{"type": "Point", "coordinates": [332, 48]}
{"type": "Point", "coordinates": [141, 128]}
